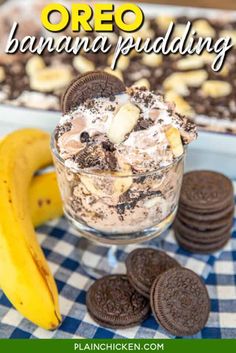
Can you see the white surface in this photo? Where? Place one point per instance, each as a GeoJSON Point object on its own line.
{"type": "Point", "coordinates": [17, 117]}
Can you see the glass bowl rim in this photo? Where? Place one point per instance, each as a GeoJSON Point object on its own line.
{"type": "Point", "coordinates": [102, 174]}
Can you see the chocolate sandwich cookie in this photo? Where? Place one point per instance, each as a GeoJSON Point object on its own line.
{"type": "Point", "coordinates": [113, 302]}
{"type": "Point", "coordinates": [180, 302]}
{"type": "Point", "coordinates": [205, 214]}
{"type": "Point", "coordinates": [144, 265]}
{"type": "Point", "coordinates": [205, 223]}
{"type": "Point", "coordinates": [199, 247]}
{"type": "Point", "coordinates": [205, 217]}
{"type": "Point", "coordinates": [196, 234]}
{"type": "Point", "coordinates": [206, 191]}
{"type": "Point", "coordinates": [90, 85]}
{"type": "Point", "coordinates": [202, 239]}
{"type": "Point", "coordinates": [198, 241]}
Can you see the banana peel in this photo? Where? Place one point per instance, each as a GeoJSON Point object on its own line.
{"type": "Point", "coordinates": [45, 199]}
{"type": "Point", "coordinates": [25, 276]}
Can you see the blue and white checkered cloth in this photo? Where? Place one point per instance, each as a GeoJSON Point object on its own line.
{"type": "Point", "coordinates": [60, 245]}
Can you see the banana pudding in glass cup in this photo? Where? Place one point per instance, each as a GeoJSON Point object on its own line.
{"type": "Point", "coordinates": [119, 156]}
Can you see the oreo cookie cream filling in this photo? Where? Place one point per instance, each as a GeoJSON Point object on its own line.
{"type": "Point", "coordinates": [120, 155]}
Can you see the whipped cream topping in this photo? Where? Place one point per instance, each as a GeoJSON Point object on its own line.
{"type": "Point", "coordinates": [93, 138]}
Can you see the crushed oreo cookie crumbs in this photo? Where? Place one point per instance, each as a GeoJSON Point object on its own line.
{"type": "Point", "coordinates": [84, 137]}
{"type": "Point", "coordinates": [62, 129]}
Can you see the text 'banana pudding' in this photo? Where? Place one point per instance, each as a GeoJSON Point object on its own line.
{"type": "Point", "coordinates": [119, 154]}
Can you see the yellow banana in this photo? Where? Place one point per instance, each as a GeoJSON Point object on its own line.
{"type": "Point", "coordinates": [45, 200]}
{"type": "Point", "coordinates": [24, 273]}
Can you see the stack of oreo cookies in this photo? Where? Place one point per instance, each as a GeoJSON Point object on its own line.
{"type": "Point", "coordinates": [176, 296]}
{"type": "Point", "coordinates": [205, 216]}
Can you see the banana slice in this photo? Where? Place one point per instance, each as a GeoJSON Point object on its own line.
{"type": "Point", "coordinates": [175, 83]}
{"type": "Point", "coordinates": [143, 82]}
{"type": "Point", "coordinates": [34, 65]}
{"type": "Point", "coordinates": [179, 29]}
{"type": "Point", "coordinates": [216, 89]}
{"type": "Point", "coordinates": [174, 139]}
{"type": "Point", "coordinates": [152, 60]}
{"type": "Point", "coordinates": [190, 63]}
{"type": "Point", "coordinates": [203, 28]}
{"type": "Point", "coordinates": [112, 184]}
{"type": "Point", "coordinates": [208, 58]}
{"type": "Point", "coordinates": [122, 184]}
{"type": "Point", "coordinates": [123, 123]}
{"type": "Point", "coordinates": [2, 74]}
{"type": "Point", "coordinates": [50, 79]}
{"type": "Point", "coordinates": [90, 185]}
{"type": "Point", "coordinates": [181, 104]}
{"type": "Point", "coordinates": [180, 81]}
{"type": "Point", "coordinates": [194, 78]}
{"type": "Point", "coordinates": [83, 65]}
{"type": "Point", "coordinates": [229, 33]}
{"type": "Point", "coordinates": [122, 63]}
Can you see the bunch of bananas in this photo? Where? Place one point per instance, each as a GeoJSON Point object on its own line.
{"type": "Point", "coordinates": [27, 201]}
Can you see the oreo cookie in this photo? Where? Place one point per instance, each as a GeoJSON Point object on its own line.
{"type": "Point", "coordinates": [202, 238]}
{"type": "Point", "coordinates": [205, 214]}
{"type": "Point", "coordinates": [205, 224]}
{"type": "Point", "coordinates": [196, 234]}
{"type": "Point", "coordinates": [178, 297]}
{"type": "Point", "coordinates": [91, 85]}
{"type": "Point", "coordinates": [206, 191]}
{"type": "Point", "coordinates": [202, 247]}
{"type": "Point", "coordinates": [144, 265]}
{"type": "Point", "coordinates": [202, 242]}
{"type": "Point", "coordinates": [113, 302]}
{"type": "Point", "coordinates": [180, 302]}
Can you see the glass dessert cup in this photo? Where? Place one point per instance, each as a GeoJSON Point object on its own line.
{"type": "Point", "coordinates": [112, 209]}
